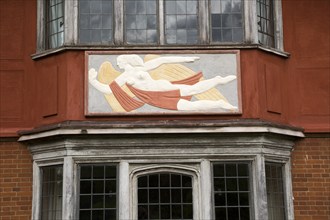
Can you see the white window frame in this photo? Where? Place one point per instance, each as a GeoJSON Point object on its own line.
{"type": "Point", "coordinates": [71, 28]}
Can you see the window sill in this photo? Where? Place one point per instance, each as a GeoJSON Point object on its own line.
{"type": "Point", "coordinates": [45, 53]}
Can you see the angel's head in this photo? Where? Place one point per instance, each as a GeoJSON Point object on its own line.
{"type": "Point", "coordinates": [132, 60]}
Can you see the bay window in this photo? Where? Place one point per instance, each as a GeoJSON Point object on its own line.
{"type": "Point", "coordinates": [160, 23]}
{"type": "Point", "coordinates": [233, 172]}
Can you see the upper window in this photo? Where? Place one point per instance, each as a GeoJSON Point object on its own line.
{"type": "Point", "coordinates": [159, 23]}
{"type": "Point", "coordinates": [54, 23]}
{"type": "Point", "coordinates": [265, 16]}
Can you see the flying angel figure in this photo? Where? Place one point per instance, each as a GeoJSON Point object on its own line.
{"type": "Point", "coordinates": [159, 82]}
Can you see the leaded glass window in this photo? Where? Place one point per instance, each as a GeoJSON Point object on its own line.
{"type": "Point", "coordinates": [275, 192]}
{"type": "Point", "coordinates": [52, 190]}
{"type": "Point", "coordinates": [165, 196]}
{"type": "Point", "coordinates": [227, 20]}
{"type": "Point", "coordinates": [141, 24]}
{"type": "Point", "coordinates": [95, 21]}
{"type": "Point", "coordinates": [98, 192]}
{"type": "Point", "coordinates": [54, 23]}
{"type": "Point", "coordinates": [265, 16]}
{"type": "Point", "coordinates": [181, 21]}
{"type": "Point", "coordinates": [231, 185]}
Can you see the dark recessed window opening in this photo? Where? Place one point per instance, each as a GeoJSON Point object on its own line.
{"type": "Point", "coordinates": [231, 185]}
{"type": "Point", "coordinates": [275, 192]}
{"type": "Point", "coordinates": [165, 196]}
{"type": "Point", "coordinates": [98, 192]}
{"type": "Point", "coordinates": [52, 188]}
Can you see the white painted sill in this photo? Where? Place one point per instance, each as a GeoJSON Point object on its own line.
{"type": "Point", "coordinates": [209, 47]}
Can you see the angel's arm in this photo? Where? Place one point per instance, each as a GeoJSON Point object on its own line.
{"type": "Point", "coordinates": [152, 64]}
{"type": "Point", "coordinates": [104, 88]}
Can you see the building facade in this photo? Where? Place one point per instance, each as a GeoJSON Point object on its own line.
{"type": "Point", "coordinates": [164, 109]}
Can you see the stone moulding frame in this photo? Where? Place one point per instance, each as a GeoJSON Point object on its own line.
{"type": "Point", "coordinates": [95, 98]}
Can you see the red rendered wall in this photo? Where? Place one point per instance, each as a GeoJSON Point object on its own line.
{"type": "Point", "coordinates": [292, 90]}
{"type": "Point", "coordinates": [306, 31]}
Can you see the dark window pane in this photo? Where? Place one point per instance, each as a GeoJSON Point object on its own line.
{"type": "Point", "coordinates": [218, 170]}
{"type": "Point", "coordinates": [143, 181]}
{"type": "Point", "coordinates": [232, 199]}
{"type": "Point", "coordinates": [153, 180]}
{"type": "Point", "coordinates": [85, 215]}
{"type": "Point", "coordinates": [143, 196]}
{"type": "Point", "coordinates": [98, 186]}
{"type": "Point", "coordinates": [244, 213]}
{"type": "Point", "coordinates": [164, 180]}
{"type": "Point", "coordinates": [231, 170]}
{"type": "Point", "coordinates": [220, 199]}
{"type": "Point", "coordinates": [231, 184]}
{"type": "Point", "coordinates": [243, 170]}
{"type": "Point", "coordinates": [154, 212]}
{"type": "Point", "coordinates": [110, 215]}
{"type": "Point", "coordinates": [243, 184]}
{"type": "Point", "coordinates": [110, 186]}
{"type": "Point", "coordinates": [97, 214]}
{"type": "Point", "coordinates": [176, 195]}
{"type": "Point", "coordinates": [175, 180]}
{"type": "Point", "coordinates": [216, 35]}
{"type": "Point", "coordinates": [176, 212]}
{"type": "Point", "coordinates": [187, 195]}
{"type": "Point", "coordinates": [143, 212]}
{"type": "Point", "coordinates": [187, 212]}
{"type": "Point", "coordinates": [85, 187]}
{"type": "Point", "coordinates": [110, 201]}
{"type": "Point", "coordinates": [233, 213]}
{"type": "Point", "coordinates": [220, 213]}
{"type": "Point", "coordinates": [164, 195]}
{"type": "Point", "coordinates": [219, 184]}
{"type": "Point", "coordinates": [153, 196]}
{"type": "Point", "coordinates": [85, 202]}
{"type": "Point", "coordinates": [186, 181]}
{"type": "Point", "coordinates": [244, 199]}
{"type": "Point", "coordinates": [98, 172]}
{"type": "Point", "coordinates": [165, 212]}
{"type": "Point", "coordinates": [216, 20]}
{"type": "Point", "coordinates": [98, 201]}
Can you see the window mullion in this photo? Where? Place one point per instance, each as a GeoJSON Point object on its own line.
{"type": "Point", "coordinates": [259, 192]}
{"type": "Point", "coordinates": [124, 189]}
{"type": "Point", "coordinates": [161, 21]}
{"type": "Point", "coordinates": [68, 190]}
{"type": "Point", "coordinates": [118, 22]}
{"type": "Point", "coordinates": [250, 19]}
{"type": "Point", "coordinates": [206, 188]}
{"type": "Point", "coordinates": [203, 19]}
